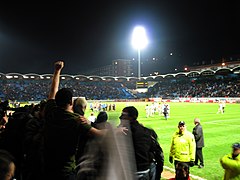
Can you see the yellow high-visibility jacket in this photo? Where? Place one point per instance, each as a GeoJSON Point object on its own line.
{"type": "Point", "coordinates": [183, 147]}
{"type": "Point", "coordinates": [231, 166]}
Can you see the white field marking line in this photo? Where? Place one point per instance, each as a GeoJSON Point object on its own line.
{"type": "Point", "coordinates": [222, 120]}
{"type": "Point", "coordinates": [217, 122]}
{"type": "Point", "coordinates": [225, 124]}
{"type": "Point", "coordinates": [193, 176]}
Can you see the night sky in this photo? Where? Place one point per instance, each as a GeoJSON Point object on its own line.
{"type": "Point", "coordinates": [90, 34]}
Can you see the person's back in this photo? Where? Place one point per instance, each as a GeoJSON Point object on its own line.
{"type": "Point", "coordinates": [33, 146]}
{"type": "Point", "coordinates": [141, 147]}
{"type": "Point", "coordinates": [93, 162]}
{"type": "Point", "coordinates": [13, 135]}
{"type": "Point", "coordinates": [61, 131]}
{"type": "Point", "coordinates": [141, 141]}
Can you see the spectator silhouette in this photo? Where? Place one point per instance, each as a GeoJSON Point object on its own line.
{"type": "Point", "coordinates": [7, 165]}
{"type": "Point", "coordinates": [33, 145]}
{"type": "Point", "coordinates": [62, 130]}
{"type": "Point", "coordinates": [93, 163]}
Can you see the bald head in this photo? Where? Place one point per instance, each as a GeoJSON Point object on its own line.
{"type": "Point", "coordinates": [196, 121]}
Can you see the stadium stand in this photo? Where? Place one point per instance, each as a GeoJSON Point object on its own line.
{"type": "Point", "coordinates": [207, 81]}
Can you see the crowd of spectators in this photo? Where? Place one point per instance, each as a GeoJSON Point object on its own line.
{"type": "Point", "coordinates": [36, 90]}
{"type": "Point", "coordinates": [54, 140]}
{"type": "Point", "coordinates": [197, 87]}
{"type": "Point", "coordinates": [171, 88]}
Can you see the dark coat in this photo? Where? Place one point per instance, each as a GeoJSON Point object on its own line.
{"type": "Point", "coordinates": [198, 135]}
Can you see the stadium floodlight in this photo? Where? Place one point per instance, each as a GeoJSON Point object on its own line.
{"type": "Point", "coordinates": [139, 41]}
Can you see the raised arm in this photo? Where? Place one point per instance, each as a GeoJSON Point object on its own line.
{"type": "Point", "coordinates": [55, 79]}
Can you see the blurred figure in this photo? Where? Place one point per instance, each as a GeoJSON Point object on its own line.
{"type": "Point", "coordinates": [101, 121]}
{"type": "Point", "coordinates": [80, 105]}
{"type": "Point", "coordinates": [220, 108]}
{"type": "Point", "coordinates": [166, 111]}
{"type": "Point", "coordinates": [63, 130]}
{"type": "Point", "coordinates": [33, 167]}
{"type": "Point", "coordinates": [147, 110]}
{"type": "Point", "coordinates": [13, 136]}
{"type": "Point", "coordinates": [157, 155]}
{"type": "Point", "coordinates": [224, 106]}
{"type": "Point", "coordinates": [199, 139]}
{"type": "Point", "coordinates": [93, 163]}
{"type": "Point", "coordinates": [92, 118]}
{"type": "Point", "coordinates": [3, 122]}
{"type": "Point", "coordinates": [159, 108]}
{"type": "Point", "coordinates": [231, 163]}
{"type": "Point", "coordinates": [142, 143]}
{"type": "Point", "coordinates": [4, 106]}
{"type": "Point", "coordinates": [7, 165]}
{"type": "Point", "coordinates": [182, 146]}
{"type": "Point", "coordinates": [182, 172]}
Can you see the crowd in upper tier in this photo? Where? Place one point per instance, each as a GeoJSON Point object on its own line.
{"type": "Point", "coordinates": [211, 86]}
{"type": "Point", "coordinates": [204, 86]}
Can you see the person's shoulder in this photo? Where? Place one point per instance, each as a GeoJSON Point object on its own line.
{"type": "Point", "coordinates": [50, 104]}
{"type": "Point", "coordinates": [151, 132]}
{"type": "Point", "coordinates": [190, 134]}
{"type": "Point", "coordinates": [51, 101]}
{"type": "Point", "coordinates": [187, 132]}
{"type": "Point", "coordinates": [176, 133]}
{"type": "Point", "coordinates": [226, 157]}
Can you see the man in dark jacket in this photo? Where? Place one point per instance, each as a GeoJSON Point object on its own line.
{"type": "Point", "coordinates": [198, 135]}
{"type": "Point", "coordinates": [142, 143]}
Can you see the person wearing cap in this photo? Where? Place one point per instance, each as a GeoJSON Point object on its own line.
{"type": "Point", "coordinates": [198, 135]}
{"type": "Point", "coordinates": [231, 163]}
{"type": "Point", "coordinates": [182, 146]}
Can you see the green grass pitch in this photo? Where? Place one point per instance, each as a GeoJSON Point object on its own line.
{"type": "Point", "coordinates": [220, 130]}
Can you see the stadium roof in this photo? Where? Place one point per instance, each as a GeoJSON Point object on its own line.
{"type": "Point", "coordinates": [210, 70]}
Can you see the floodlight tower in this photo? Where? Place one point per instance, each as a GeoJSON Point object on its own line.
{"type": "Point", "coordinates": [139, 41]}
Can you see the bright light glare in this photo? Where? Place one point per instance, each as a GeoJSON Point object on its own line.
{"type": "Point", "coordinates": [139, 38]}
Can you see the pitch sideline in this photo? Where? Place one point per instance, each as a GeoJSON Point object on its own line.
{"type": "Point", "coordinates": [191, 175]}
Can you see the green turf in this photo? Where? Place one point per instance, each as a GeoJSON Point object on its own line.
{"type": "Point", "coordinates": [220, 130]}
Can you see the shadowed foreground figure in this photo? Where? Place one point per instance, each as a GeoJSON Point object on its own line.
{"type": "Point", "coordinates": [62, 130]}
{"type": "Point", "coordinates": [142, 145]}
{"type": "Point", "coordinates": [231, 163]}
{"type": "Point", "coordinates": [182, 172]}
{"type": "Point", "coordinates": [7, 165]}
{"type": "Point", "coordinates": [93, 163]}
